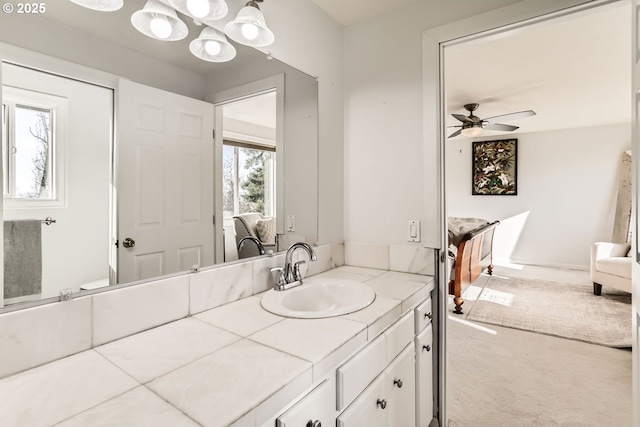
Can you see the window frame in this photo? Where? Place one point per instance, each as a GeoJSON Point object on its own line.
{"type": "Point", "coordinates": [12, 97]}
{"type": "Point", "coordinates": [237, 145]}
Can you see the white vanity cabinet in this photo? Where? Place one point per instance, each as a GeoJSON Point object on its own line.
{"type": "Point", "coordinates": [387, 383]}
{"type": "Point", "coordinates": [389, 400]}
{"type": "Point", "coordinates": [316, 409]}
{"type": "Point", "coordinates": [424, 364]}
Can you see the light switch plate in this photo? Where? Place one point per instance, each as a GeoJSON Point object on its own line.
{"type": "Point", "coordinates": [413, 231]}
{"type": "Point", "coordinates": [291, 223]}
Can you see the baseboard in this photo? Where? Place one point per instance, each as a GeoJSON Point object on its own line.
{"type": "Point", "coordinates": [507, 261]}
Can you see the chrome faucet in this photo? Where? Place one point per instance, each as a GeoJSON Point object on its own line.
{"type": "Point", "coordinates": [289, 276]}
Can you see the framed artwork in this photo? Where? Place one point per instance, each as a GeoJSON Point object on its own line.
{"type": "Point", "coordinates": [495, 167]}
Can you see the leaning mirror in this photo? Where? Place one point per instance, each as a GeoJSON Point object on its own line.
{"type": "Point", "coordinates": [127, 158]}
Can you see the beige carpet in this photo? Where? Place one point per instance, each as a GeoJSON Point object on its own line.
{"type": "Point", "coordinates": [557, 309]}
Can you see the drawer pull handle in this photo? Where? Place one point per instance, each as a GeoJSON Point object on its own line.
{"type": "Point", "coordinates": [315, 423]}
{"type": "Point", "coordinates": [382, 403]}
{"type": "Point", "coordinates": [428, 316]}
{"type": "Point", "coordinates": [427, 347]}
{"type": "Point", "coordinates": [398, 383]}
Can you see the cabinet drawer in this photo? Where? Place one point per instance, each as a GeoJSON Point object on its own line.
{"type": "Point", "coordinates": [401, 380]}
{"type": "Point", "coordinates": [423, 315]}
{"type": "Point", "coordinates": [399, 335]}
{"type": "Point", "coordinates": [355, 374]}
{"type": "Point", "coordinates": [370, 409]}
{"type": "Point", "coordinates": [424, 377]}
{"type": "Point", "coordinates": [318, 405]}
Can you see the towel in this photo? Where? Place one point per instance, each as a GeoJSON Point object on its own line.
{"type": "Point", "coordinates": [22, 258]}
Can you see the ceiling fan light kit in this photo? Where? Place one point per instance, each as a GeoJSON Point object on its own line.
{"type": "Point", "coordinates": [473, 125]}
{"type": "Point", "coordinates": [159, 20]}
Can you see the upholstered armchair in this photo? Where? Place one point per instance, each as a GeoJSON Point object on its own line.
{"type": "Point", "coordinates": [254, 233]}
{"type": "Point", "coordinates": [611, 266]}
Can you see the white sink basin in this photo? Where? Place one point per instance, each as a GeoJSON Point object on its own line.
{"type": "Point", "coordinates": [319, 298]}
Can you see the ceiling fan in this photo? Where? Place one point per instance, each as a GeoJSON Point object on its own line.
{"type": "Point", "coordinates": [473, 125]}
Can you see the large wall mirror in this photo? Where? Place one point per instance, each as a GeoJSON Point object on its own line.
{"type": "Point", "coordinates": [127, 158]}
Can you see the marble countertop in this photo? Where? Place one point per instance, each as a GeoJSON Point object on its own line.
{"type": "Point", "coordinates": [234, 365]}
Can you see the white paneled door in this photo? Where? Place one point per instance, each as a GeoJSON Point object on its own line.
{"type": "Point", "coordinates": [164, 182]}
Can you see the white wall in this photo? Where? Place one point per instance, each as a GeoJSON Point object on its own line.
{"type": "Point", "coordinates": [567, 192]}
{"type": "Point", "coordinates": [383, 118]}
{"type": "Point", "coordinates": [309, 40]}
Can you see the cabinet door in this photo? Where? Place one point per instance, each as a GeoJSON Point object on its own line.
{"type": "Point", "coordinates": [424, 377]}
{"type": "Point", "coordinates": [370, 409]}
{"type": "Point", "coordinates": [401, 381]}
{"type": "Point", "coordinates": [315, 409]}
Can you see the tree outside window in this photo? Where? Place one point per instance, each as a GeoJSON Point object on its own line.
{"type": "Point", "coordinates": [248, 180]}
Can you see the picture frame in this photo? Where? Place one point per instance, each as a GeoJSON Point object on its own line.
{"type": "Point", "coordinates": [495, 167]}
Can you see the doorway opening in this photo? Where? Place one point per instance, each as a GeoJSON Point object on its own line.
{"type": "Point", "coordinates": [524, 223]}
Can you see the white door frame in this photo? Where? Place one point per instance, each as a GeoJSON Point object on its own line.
{"type": "Point", "coordinates": [219, 99]}
{"type": "Point", "coordinates": [434, 40]}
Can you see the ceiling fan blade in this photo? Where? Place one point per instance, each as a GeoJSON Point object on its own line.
{"type": "Point", "coordinates": [510, 116]}
{"type": "Point", "coordinates": [456, 133]}
{"type": "Point", "coordinates": [462, 118]}
{"type": "Point", "coordinates": [499, 126]}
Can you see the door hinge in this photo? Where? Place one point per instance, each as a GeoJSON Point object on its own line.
{"type": "Point", "coordinates": [214, 220]}
{"type": "Point", "coordinates": [443, 257]}
{"type": "Point", "coordinates": [117, 243]}
{"type": "Point", "coordinates": [214, 134]}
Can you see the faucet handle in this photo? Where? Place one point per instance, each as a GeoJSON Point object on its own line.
{"type": "Point", "coordinates": [296, 270]}
{"type": "Point", "coordinates": [277, 273]}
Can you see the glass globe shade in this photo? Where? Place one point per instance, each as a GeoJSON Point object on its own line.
{"type": "Point", "coordinates": [160, 27]}
{"type": "Point", "coordinates": [250, 31]}
{"type": "Point", "coordinates": [472, 131]}
{"type": "Point", "coordinates": [198, 8]}
{"type": "Point", "coordinates": [212, 47]}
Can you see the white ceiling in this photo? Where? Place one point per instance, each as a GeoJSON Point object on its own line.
{"type": "Point", "coordinates": [573, 72]}
{"type": "Point", "coordinates": [348, 12]}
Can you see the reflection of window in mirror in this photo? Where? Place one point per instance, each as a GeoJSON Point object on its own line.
{"type": "Point", "coordinates": [29, 142]}
{"type": "Point", "coordinates": [248, 179]}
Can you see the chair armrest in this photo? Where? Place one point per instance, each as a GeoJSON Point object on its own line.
{"type": "Point", "coordinates": [601, 250]}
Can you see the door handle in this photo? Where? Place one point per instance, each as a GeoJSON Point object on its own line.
{"type": "Point", "coordinates": [128, 243]}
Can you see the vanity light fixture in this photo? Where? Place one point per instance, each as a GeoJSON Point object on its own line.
{"type": "Point", "coordinates": [159, 21]}
{"type": "Point", "coordinates": [249, 27]}
{"type": "Point", "coordinates": [202, 11]}
{"type": "Point", "coordinates": [212, 46]}
{"type": "Point", "coordinates": [101, 5]}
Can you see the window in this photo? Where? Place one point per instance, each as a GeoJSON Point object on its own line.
{"type": "Point", "coordinates": [31, 142]}
{"type": "Point", "coordinates": [248, 179]}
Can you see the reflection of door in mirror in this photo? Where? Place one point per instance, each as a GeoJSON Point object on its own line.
{"type": "Point", "coordinates": [249, 175]}
{"type": "Point", "coordinates": [56, 145]}
{"type": "Point", "coordinates": [165, 157]}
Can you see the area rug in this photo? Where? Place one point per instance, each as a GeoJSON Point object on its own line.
{"type": "Point", "coordinates": [559, 309]}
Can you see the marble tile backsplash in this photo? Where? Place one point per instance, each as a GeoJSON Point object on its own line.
{"type": "Point", "coordinates": [214, 287]}
{"type": "Point", "coordinates": [404, 258]}
{"type": "Point", "coordinates": [38, 335]}
{"type": "Point", "coordinates": [126, 311]}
